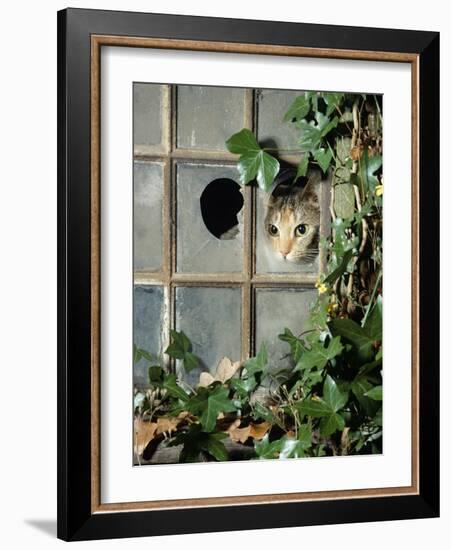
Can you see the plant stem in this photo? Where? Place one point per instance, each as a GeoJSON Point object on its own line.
{"type": "Point", "coordinates": [369, 307]}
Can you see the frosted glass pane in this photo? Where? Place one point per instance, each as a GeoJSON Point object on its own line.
{"type": "Point", "coordinates": [149, 103]}
{"type": "Point", "coordinates": [147, 326]}
{"type": "Point", "coordinates": [147, 215]}
{"type": "Point", "coordinates": [207, 116]}
{"type": "Point", "coordinates": [272, 131]}
{"type": "Point", "coordinates": [275, 310]}
{"type": "Point", "coordinates": [211, 318]}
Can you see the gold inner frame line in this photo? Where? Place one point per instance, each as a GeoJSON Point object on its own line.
{"type": "Point", "coordinates": [97, 41]}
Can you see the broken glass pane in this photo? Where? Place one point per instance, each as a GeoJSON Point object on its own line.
{"type": "Point", "coordinates": [198, 249]}
{"type": "Point", "coordinates": [207, 116]}
{"type": "Point", "coordinates": [211, 318]}
{"type": "Point", "coordinates": [147, 215]}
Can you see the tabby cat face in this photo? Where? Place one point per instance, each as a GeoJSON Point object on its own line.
{"type": "Point", "coordinates": [292, 223]}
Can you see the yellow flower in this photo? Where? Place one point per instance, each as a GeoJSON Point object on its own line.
{"type": "Point", "coordinates": [379, 190]}
{"type": "Point", "coordinates": [331, 308]}
{"type": "Point", "coordinates": [322, 288]}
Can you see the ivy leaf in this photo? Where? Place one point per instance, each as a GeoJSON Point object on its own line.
{"type": "Point", "coordinates": [302, 168]}
{"type": "Point", "coordinates": [170, 384]}
{"type": "Point", "coordinates": [332, 395]}
{"type": "Point", "coordinates": [218, 401]}
{"type": "Point", "coordinates": [355, 334]}
{"type": "Point", "coordinates": [258, 363]}
{"type": "Point", "coordinates": [368, 166]}
{"type": "Point", "coordinates": [296, 345]}
{"type": "Point", "coordinates": [155, 374]}
{"type": "Point", "coordinates": [323, 158]}
{"type": "Point", "coordinates": [139, 353]}
{"type": "Point", "coordinates": [344, 200]}
{"type": "Point", "coordinates": [330, 424]}
{"type": "Point", "coordinates": [340, 270]}
{"type": "Point", "coordinates": [360, 386]}
{"type": "Point", "coordinates": [214, 446]}
{"type": "Point", "coordinates": [243, 142]}
{"type": "Point", "coordinates": [373, 325]}
{"type": "Point", "coordinates": [254, 162]}
{"type": "Point", "coordinates": [375, 393]}
{"type": "Point", "coordinates": [318, 355]}
{"type": "Point", "coordinates": [244, 386]}
{"type": "Point", "coordinates": [265, 449]}
{"type": "Point", "coordinates": [180, 348]}
{"type": "Point", "coordinates": [315, 407]}
{"type": "Point", "coordinates": [298, 110]}
{"type": "Point", "coordinates": [333, 100]}
{"type": "Point", "coordinates": [258, 165]}
{"type": "Point", "coordinates": [311, 133]}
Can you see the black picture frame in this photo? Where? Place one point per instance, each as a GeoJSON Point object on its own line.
{"type": "Point", "coordinates": [76, 520]}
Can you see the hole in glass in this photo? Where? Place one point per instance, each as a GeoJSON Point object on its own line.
{"type": "Point", "coordinates": [220, 204]}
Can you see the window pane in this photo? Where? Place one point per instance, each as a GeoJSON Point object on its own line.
{"type": "Point", "coordinates": [207, 116]}
{"type": "Point", "coordinates": [275, 310]}
{"type": "Point", "coordinates": [150, 103]}
{"type": "Point", "coordinates": [211, 318]}
{"type": "Point", "coordinates": [147, 215]}
{"type": "Point", "coordinates": [198, 249]}
{"type": "Point", "coordinates": [271, 108]}
{"type": "Point", "coordinates": [147, 326]}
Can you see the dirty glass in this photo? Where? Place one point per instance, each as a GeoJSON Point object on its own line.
{"type": "Point", "coordinates": [147, 215]}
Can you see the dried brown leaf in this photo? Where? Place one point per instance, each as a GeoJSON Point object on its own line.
{"type": "Point", "coordinates": [144, 433]}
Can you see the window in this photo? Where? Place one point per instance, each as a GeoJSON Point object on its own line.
{"type": "Point", "coordinates": [222, 292]}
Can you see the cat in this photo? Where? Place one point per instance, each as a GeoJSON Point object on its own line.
{"type": "Point", "coordinates": [292, 219]}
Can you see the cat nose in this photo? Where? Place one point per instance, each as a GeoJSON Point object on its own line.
{"type": "Point", "coordinates": [284, 253]}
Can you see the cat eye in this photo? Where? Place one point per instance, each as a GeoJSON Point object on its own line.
{"type": "Point", "coordinates": [300, 229]}
{"type": "Point", "coordinates": [272, 230]}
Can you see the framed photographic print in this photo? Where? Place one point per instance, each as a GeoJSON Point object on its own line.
{"type": "Point", "coordinates": [248, 274]}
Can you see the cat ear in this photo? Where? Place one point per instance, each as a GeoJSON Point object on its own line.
{"type": "Point", "coordinates": [311, 191]}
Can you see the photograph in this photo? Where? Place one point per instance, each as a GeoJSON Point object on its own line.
{"type": "Point", "coordinates": [257, 273]}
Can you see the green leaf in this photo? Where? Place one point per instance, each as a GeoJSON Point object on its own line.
{"type": "Point", "coordinates": [333, 100]}
{"type": "Point", "coordinates": [354, 333]}
{"type": "Point", "coordinates": [244, 386]}
{"type": "Point", "coordinates": [360, 386]}
{"type": "Point", "coordinates": [170, 384]}
{"type": "Point", "coordinates": [243, 142]}
{"type": "Point", "coordinates": [258, 363]}
{"type": "Point", "coordinates": [302, 168]}
{"type": "Point", "coordinates": [254, 162]}
{"type": "Point", "coordinates": [315, 407]}
{"type": "Point", "coordinates": [180, 348]}
{"type": "Point", "coordinates": [214, 446]}
{"type": "Point", "coordinates": [340, 270]}
{"type": "Point", "coordinates": [332, 395]}
{"type": "Point", "coordinates": [218, 401]}
{"type": "Point", "coordinates": [262, 412]}
{"type": "Point", "coordinates": [258, 165]}
{"type": "Point", "coordinates": [311, 133]}
{"type": "Point", "coordinates": [190, 361]}
{"type": "Point", "coordinates": [331, 424]}
{"type": "Point", "coordinates": [323, 158]}
{"type": "Point", "coordinates": [368, 166]}
{"type": "Point", "coordinates": [136, 354]}
{"type": "Point", "coordinates": [375, 393]}
{"type": "Point", "coordinates": [373, 325]}
{"type": "Point", "coordinates": [298, 110]}
{"type": "Point", "coordinates": [265, 449]}
{"type": "Point", "coordinates": [155, 373]}
{"type": "Point", "coordinates": [296, 345]}
{"type": "Point", "coordinates": [318, 355]}
{"type": "Point", "coordinates": [344, 200]}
